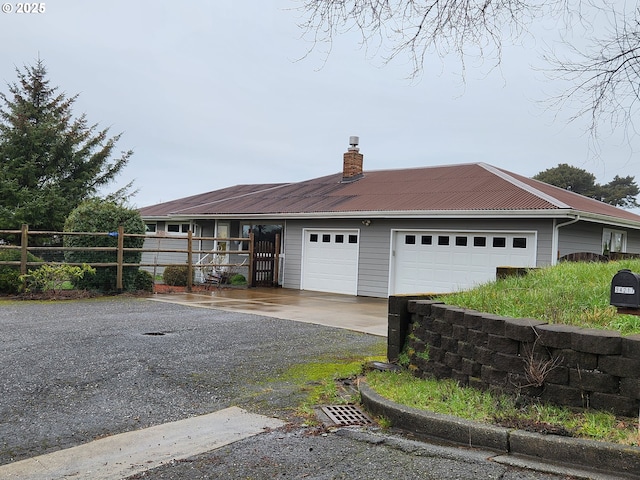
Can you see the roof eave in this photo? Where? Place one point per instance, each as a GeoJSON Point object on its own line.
{"type": "Point", "coordinates": [552, 213]}
{"type": "Point", "coordinates": [412, 214]}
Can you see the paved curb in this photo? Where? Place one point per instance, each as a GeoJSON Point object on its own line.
{"type": "Point", "coordinates": [585, 454]}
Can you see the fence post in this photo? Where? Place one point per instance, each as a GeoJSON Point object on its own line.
{"type": "Point", "coordinates": [24, 243]}
{"type": "Point", "coordinates": [120, 258]}
{"type": "Point", "coordinates": [252, 262]}
{"type": "Point", "coordinates": [189, 261]}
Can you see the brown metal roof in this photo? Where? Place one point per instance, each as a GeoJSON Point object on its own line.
{"type": "Point", "coordinates": [467, 187]}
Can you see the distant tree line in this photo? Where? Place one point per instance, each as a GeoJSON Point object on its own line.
{"type": "Point", "coordinates": [620, 192]}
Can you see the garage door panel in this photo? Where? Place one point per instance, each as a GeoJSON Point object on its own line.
{"type": "Point", "coordinates": [330, 261]}
{"type": "Point", "coordinates": [456, 260]}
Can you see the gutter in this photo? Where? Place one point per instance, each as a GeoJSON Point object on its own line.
{"type": "Point", "coordinates": [556, 238]}
{"type": "Point", "coordinates": [404, 214]}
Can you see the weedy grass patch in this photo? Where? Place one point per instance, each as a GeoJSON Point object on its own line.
{"type": "Point", "coordinates": [319, 380]}
{"type": "Point", "coordinates": [447, 397]}
{"type": "Point", "coordinates": [571, 293]}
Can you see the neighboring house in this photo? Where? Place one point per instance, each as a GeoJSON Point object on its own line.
{"type": "Point", "coordinates": [376, 233]}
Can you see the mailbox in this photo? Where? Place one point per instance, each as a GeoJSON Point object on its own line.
{"type": "Point", "coordinates": [625, 289]}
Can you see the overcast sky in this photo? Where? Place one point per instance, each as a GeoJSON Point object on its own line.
{"type": "Point", "coordinates": [210, 94]}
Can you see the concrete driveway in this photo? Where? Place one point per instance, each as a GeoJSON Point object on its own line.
{"type": "Point", "coordinates": [359, 314]}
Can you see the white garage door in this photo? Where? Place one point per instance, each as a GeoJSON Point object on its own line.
{"type": "Point", "coordinates": [447, 261]}
{"type": "Point", "coordinates": [330, 261]}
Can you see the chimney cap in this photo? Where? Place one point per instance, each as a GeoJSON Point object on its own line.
{"type": "Point", "coordinates": [353, 142]}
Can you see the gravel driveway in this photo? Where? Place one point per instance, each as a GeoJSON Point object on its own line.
{"type": "Point", "coordinates": [74, 371]}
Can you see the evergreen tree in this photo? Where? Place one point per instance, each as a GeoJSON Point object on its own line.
{"type": "Point", "coordinates": [49, 161]}
{"type": "Point", "coordinates": [620, 192]}
{"type": "Point", "coordinates": [570, 178]}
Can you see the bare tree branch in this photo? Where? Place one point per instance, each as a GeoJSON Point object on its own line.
{"type": "Point", "coordinates": [420, 28]}
{"type": "Point", "coordinates": [603, 78]}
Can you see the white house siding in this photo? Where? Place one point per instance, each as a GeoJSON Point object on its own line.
{"type": "Point", "coordinates": [374, 261]}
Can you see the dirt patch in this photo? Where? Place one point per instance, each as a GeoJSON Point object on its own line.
{"type": "Point", "coordinates": [53, 295]}
{"type": "Point", "coordinates": [67, 295]}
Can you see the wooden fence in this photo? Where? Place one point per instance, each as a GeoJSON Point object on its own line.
{"type": "Point", "coordinates": [24, 247]}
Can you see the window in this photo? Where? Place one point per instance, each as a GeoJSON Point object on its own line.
{"type": "Point", "coordinates": [353, 239]}
{"type": "Point", "coordinates": [151, 227]}
{"type": "Point", "coordinates": [479, 241]}
{"type": "Point", "coordinates": [265, 233]}
{"type": "Point", "coordinates": [313, 237]}
{"type": "Point", "coordinates": [178, 227]}
{"type": "Point", "coordinates": [461, 241]}
{"type": "Point", "coordinates": [326, 238]}
{"type": "Point", "coordinates": [339, 238]}
{"type": "Point", "coordinates": [443, 240]}
{"type": "Point", "coordinates": [519, 242]}
{"type": "Point", "coordinates": [427, 240]}
{"type": "Point", "coordinates": [262, 232]}
{"type": "Point", "coordinates": [410, 239]}
{"type": "Point", "coordinates": [499, 242]}
{"type": "Point", "coordinates": [614, 241]}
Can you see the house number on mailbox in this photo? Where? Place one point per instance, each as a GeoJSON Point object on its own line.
{"type": "Point", "coordinates": [624, 290]}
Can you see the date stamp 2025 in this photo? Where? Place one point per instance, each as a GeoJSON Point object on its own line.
{"type": "Point", "coordinates": [25, 8]}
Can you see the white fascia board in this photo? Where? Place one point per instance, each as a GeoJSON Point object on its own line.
{"type": "Point", "coordinates": [417, 214]}
{"type": "Point", "coordinates": [377, 214]}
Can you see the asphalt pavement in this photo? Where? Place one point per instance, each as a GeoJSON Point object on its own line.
{"type": "Point", "coordinates": [76, 372]}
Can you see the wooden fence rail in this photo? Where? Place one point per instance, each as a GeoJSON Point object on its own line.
{"type": "Point", "coordinates": [120, 250]}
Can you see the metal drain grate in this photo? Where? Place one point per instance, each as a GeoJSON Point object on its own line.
{"type": "Point", "coordinates": [346, 415]}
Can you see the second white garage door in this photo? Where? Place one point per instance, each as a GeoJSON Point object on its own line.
{"type": "Point", "coordinates": [330, 261]}
{"type": "Point", "coordinates": [447, 261]}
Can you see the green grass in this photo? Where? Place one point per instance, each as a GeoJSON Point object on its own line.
{"type": "Point", "coordinates": [568, 293]}
{"type": "Point", "coordinates": [318, 381]}
{"type": "Point", "coordinates": [446, 397]}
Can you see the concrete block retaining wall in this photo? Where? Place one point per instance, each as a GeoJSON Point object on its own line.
{"type": "Point", "coordinates": [559, 364]}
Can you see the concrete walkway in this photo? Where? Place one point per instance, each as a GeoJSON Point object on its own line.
{"type": "Point", "coordinates": [126, 454]}
{"type": "Point", "coordinates": [360, 314]}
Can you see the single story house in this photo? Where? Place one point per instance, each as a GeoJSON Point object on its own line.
{"type": "Point", "coordinates": [377, 233]}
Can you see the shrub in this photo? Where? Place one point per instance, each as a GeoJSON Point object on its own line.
{"type": "Point", "coordinates": [104, 216]}
{"type": "Point", "coordinates": [52, 277]}
{"type": "Point", "coordinates": [238, 279]}
{"type": "Point", "coordinates": [10, 274]}
{"type": "Point", "coordinates": [176, 275]}
{"type": "Point", "coordinates": [144, 281]}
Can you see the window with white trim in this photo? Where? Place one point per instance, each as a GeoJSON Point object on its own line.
{"type": "Point", "coordinates": [614, 240]}
{"type": "Point", "coordinates": [178, 228]}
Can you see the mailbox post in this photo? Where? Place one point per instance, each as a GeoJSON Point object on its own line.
{"type": "Point", "coordinates": [625, 290]}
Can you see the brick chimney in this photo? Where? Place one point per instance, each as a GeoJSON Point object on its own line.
{"type": "Point", "coordinates": [352, 162]}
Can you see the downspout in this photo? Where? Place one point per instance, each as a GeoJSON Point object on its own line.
{"type": "Point", "coordinates": [556, 238]}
